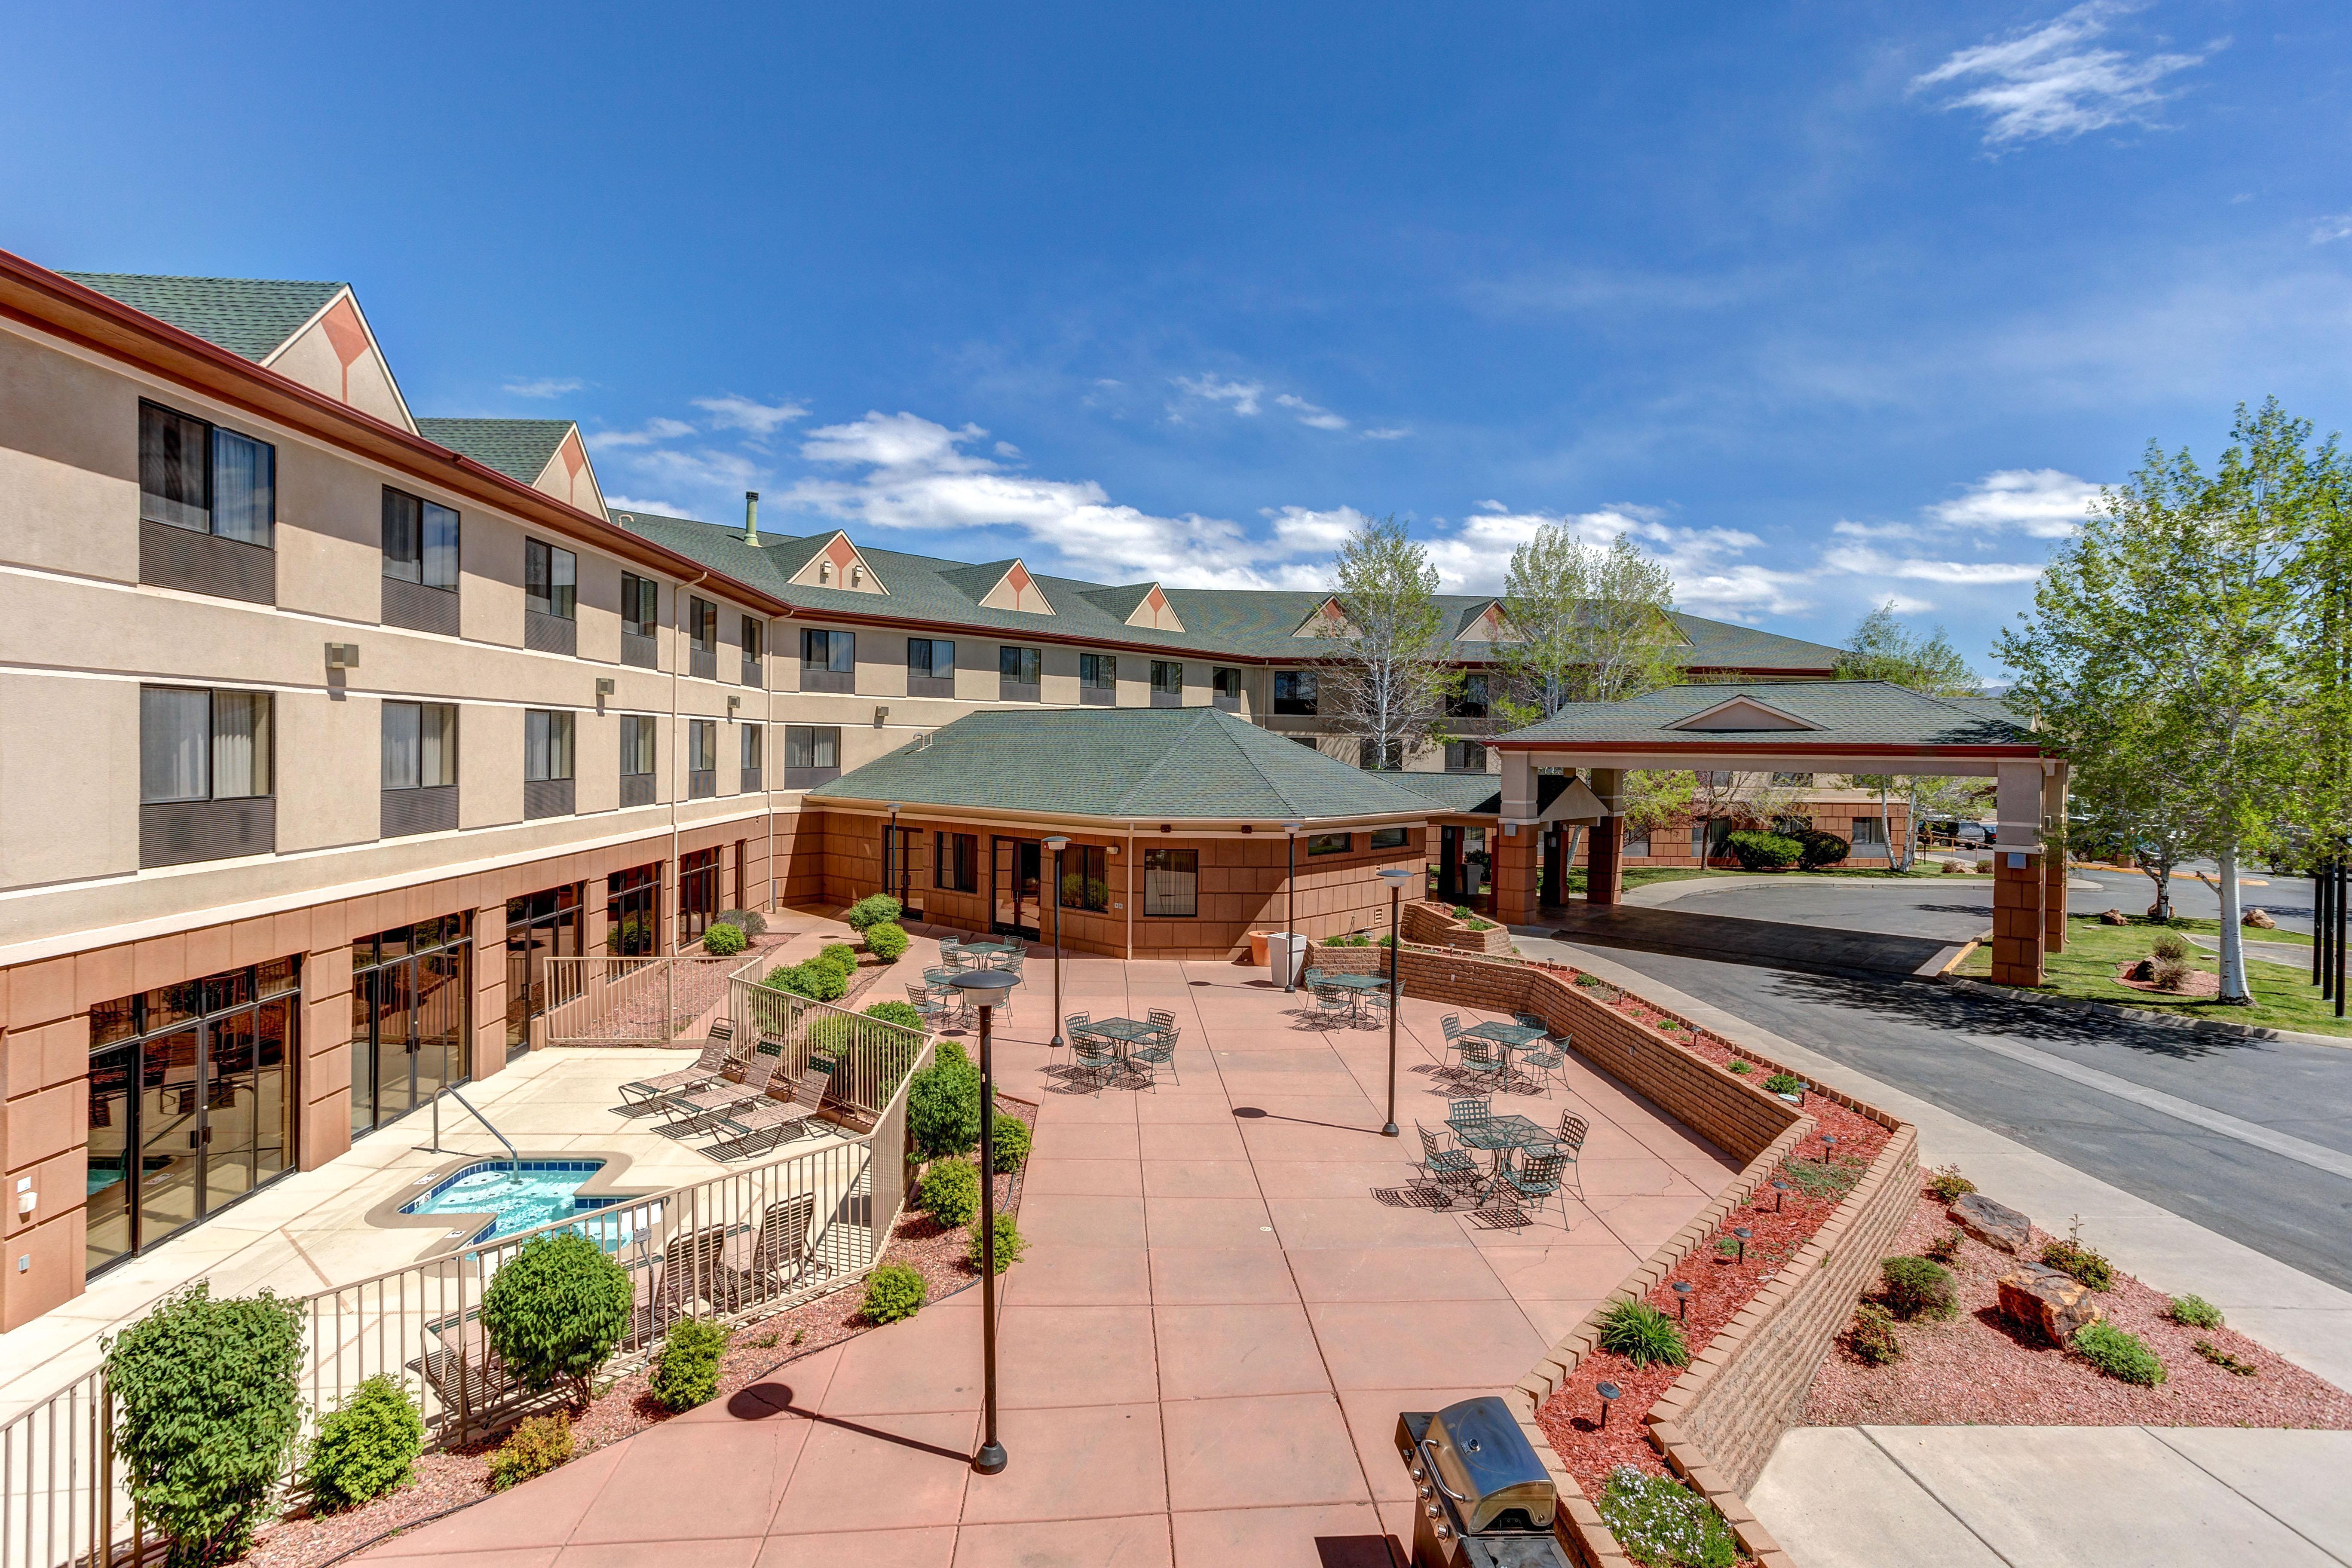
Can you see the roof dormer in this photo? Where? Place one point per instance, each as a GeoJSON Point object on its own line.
{"type": "Point", "coordinates": [1325, 620]}
{"type": "Point", "coordinates": [1006, 585]}
{"type": "Point", "coordinates": [837, 564]}
{"type": "Point", "coordinates": [1484, 622]}
{"type": "Point", "coordinates": [1743, 712]}
{"type": "Point", "coordinates": [335, 352]}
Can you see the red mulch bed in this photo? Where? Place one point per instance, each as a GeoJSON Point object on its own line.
{"type": "Point", "coordinates": [1978, 1368]}
{"type": "Point", "coordinates": [450, 1479]}
{"type": "Point", "coordinates": [2196, 982]}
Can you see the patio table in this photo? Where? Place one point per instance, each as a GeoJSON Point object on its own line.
{"type": "Point", "coordinates": [988, 951]}
{"type": "Point", "coordinates": [1506, 1038]}
{"type": "Point", "coordinates": [1499, 1135]}
{"type": "Point", "coordinates": [1361, 985]}
{"type": "Point", "coordinates": [1123, 1034]}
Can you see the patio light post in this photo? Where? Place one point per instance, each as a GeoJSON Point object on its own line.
{"type": "Point", "coordinates": [1396, 878]}
{"type": "Point", "coordinates": [987, 988]}
{"type": "Point", "coordinates": [1290, 831]}
{"type": "Point", "coordinates": [1058, 844]}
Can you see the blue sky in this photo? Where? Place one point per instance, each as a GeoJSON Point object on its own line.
{"type": "Point", "coordinates": [1822, 303]}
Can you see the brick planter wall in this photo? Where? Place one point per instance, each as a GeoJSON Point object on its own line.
{"type": "Point", "coordinates": [1434, 925]}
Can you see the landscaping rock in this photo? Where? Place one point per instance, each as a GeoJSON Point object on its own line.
{"type": "Point", "coordinates": [2057, 1305]}
{"type": "Point", "coordinates": [2114, 918]}
{"type": "Point", "coordinates": [2260, 919]}
{"type": "Point", "coordinates": [2144, 970]}
{"type": "Point", "coordinates": [1995, 1224]}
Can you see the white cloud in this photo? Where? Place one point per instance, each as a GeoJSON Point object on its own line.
{"type": "Point", "coordinates": [2049, 80]}
{"type": "Point", "coordinates": [1386, 433]}
{"type": "Point", "coordinates": [545, 386]}
{"type": "Point", "coordinates": [1007, 449]}
{"type": "Point", "coordinates": [1711, 577]}
{"type": "Point", "coordinates": [646, 434]}
{"type": "Point", "coordinates": [2328, 230]}
{"type": "Point", "coordinates": [1241, 395]}
{"type": "Point", "coordinates": [630, 504]}
{"type": "Point", "coordinates": [708, 469]}
{"type": "Point", "coordinates": [2042, 503]}
{"type": "Point", "coordinates": [1862, 561]}
{"type": "Point", "coordinates": [1309, 414]}
{"type": "Point", "coordinates": [759, 419]}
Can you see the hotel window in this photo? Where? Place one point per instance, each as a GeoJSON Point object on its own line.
{"type": "Point", "coordinates": [1017, 674]}
{"type": "Point", "coordinates": [1171, 880]}
{"type": "Point", "coordinates": [546, 763]}
{"type": "Point", "coordinates": [1470, 702]}
{"type": "Point", "coordinates": [930, 667]}
{"type": "Point", "coordinates": [1295, 691]}
{"type": "Point", "coordinates": [1098, 679]}
{"type": "Point", "coordinates": [828, 662]}
{"type": "Point", "coordinates": [637, 759]}
{"type": "Point", "coordinates": [955, 862]}
{"type": "Point", "coordinates": [1390, 838]}
{"type": "Point", "coordinates": [812, 754]}
{"type": "Point", "coordinates": [1167, 683]}
{"type": "Point", "coordinates": [1465, 757]}
{"type": "Point", "coordinates": [633, 911]}
{"type": "Point", "coordinates": [1329, 843]}
{"type": "Point", "coordinates": [420, 541]}
{"type": "Point", "coordinates": [1226, 688]}
{"type": "Point", "coordinates": [420, 768]}
{"type": "Point", "coordinates": [751, 759]}
{"type": "Point", "coordinates": [204, 774]}
{"type": "Point", "coordinates": [702, 758]}
{"type": "Point", "coordinates": [1371, 755]}
{"type": "Point", "coordinates": [698, 893]}
{"type": "Point", "coordinates": [1803, 781]}
{"type": "Point", "coordinates": [201, 477]}
{"type": "Point", "coordinates": [549, 580]}
{"type": "Point", "coordinates": [1637, 840]}
{"type": "Point", "coordinates": [702, 630]}
{"type": "Point", "coordinates": [1869, 830]}
{"type": "Point", "coordinates": [1085, 879]}
{"type": "Point", "coordinates": [755, 648]}
{"type": "Point", "coordinates": [640, 616]}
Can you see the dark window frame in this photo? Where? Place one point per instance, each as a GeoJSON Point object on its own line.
{"type": "Point", "coordinates": [425, 551]}
{"type": "Point", "coordinates": [549, 564]}
{"type": "Point", "coordinates": [1389, 838]}
{"type": "Point", "coordinates": [1087, 867]}
{"type": "Point", "coordinates": [1305, 692]}
{"type": "Point", "coordinates": [213, 434]}
{"type": "Point", "coordinates": [955, 862]}
{"type": "Point", "coordinates": [1184, 863]}
{"type": "Point", "coordinates": [1322, 843]}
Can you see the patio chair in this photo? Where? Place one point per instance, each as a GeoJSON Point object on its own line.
{"type": "Point", "coordinates": [784, 1257]}
{"type": "Point", "coordinates": [1461, 1114]}
{"type": "Point", "coordinates": [1479, 1063]}
{"type": "Point", "coordinates": [1162, 1018]}
{"type": "Point", "coordinates": [1536, 1176]}
{"type": "Point", "coordinates": [1310, 978]}
{"type": "Point", "coordinates": [1331, 1007]}
{"type": "Point", "coordinates": [1572, 1134]}
{"type": "Point", "coordinates": [464, 1373]}
{"type": "Point", "coordinates": [1447, 1172]}
{"type": "Point", "coordinates": [697, 1109]}
{"type": "Point", "coordinates": [927, 1001]}
{"type": "Point", "coordinates": [1093, 1058]}
{"type": "Point", "coordinates": [775, 1119]}
{"type": "Point", "coordinates": [1073, 1025]}
{"type": "Point", "coordinates": [1156, 1054]}
{"type": "Point", "coordinates": [1011, 963]}
{"type": "Point", "coordinates": [638, 1098]}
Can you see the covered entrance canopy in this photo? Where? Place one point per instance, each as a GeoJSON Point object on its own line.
{"type": "Point", "coordinates": [1842, 726]}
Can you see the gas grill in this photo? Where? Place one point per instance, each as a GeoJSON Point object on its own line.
{"type": "Point", "coordinates": [1482, 1499]}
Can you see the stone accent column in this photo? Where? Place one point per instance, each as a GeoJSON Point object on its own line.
{"type": "Point", "coordinates": [1516, 846]}
{"type": "Point", "coordinates": [44, 1127]}
{"type": "Point", "coordinates": [489, 990]}
{"type": "Point", "coordinates": [2018, 893]}
{"type": "Point", "coordinates": [1604, 876]}
{"type": "Point", "coordinates": [326, 1076]}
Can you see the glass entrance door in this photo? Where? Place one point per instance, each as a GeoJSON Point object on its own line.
{"type": "Point", "coordinates": [409, 1014]}
{"type": "Point", "coordinates": [231, 1086]}
{"type": "Point", "coordinates": [1019, 871]}
{"type": "Point", "coordinates": [907, 869]}
{"type": "Point", "coordinates": [170, 1134]}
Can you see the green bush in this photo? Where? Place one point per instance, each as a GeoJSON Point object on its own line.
{"type": "Point", "coordinates": [950, 1192]}
{"type": "Point", "coordinates": [943, 1105]}
{"type": "Point", "coordinates": [839, 955]}
{"type": "Point", "coordinates": [1663, 1524]}
{"type": "Point", "coordinates": [2071, 1257]}
{"type": "Point", "coordinates": [724, 941]}
{"type": "Point", "coordinates": [1816, 848]}
{"type": "Point", "coordinates": [688, 1372]}
{"type": "Point", "coordinates": [2120, 1353]}
{"type": "Point", "coordinates": [2168, 946]}
{"type": "Point", "coordinates": [817, 982]}
{"type": "Point", "coordinates": [366, 1448]}
{"type": "Point", "coordinates": [872, 911]}
{"type": "Point", "coordinates": [888, 940]}
{"type": "Point", "coordinates": [1949, 1186]}
{"type": "Point", "coordinates": [1740, 1066]}
{"type": "Point", "coordinates": [211, 1409]}
{"type": "Point", "coordinates": [555, 1311]}
{"type": "Point", "coordinates": [893, 1291]}
{"type": "Point", "coordinates": [1009, 1142]}
{"type": "Point", "coordinates": [751, 922]}
{"type": "Point", "coordinates": [1873, 1335]}
{"type": "Point", "coordinates": [903, 1013]}
{"type": "Point", "coordinates": [2194, 1311]}
{"type": "Point", "coordinates": [1919, 1288]}
{"type": "Point", "coordinates": [1008, 1244]}
{"type": "Point", "coordinates": [1643, 1335]}
{"type": "Point", "coordinates": [537, 1446]}
{"type": "Point", "coordinates": [1758, 851]}
{"type": "Point", "coordinates": [1784, 1083]}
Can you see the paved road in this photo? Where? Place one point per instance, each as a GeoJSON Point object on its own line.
{"type": "Point", "coordinates": [2250, 1138]}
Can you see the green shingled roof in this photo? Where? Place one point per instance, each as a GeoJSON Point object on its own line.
{"type": "Point", "coordinates": [1455, 791]}
{"type": "Point", "coordinates": [1236, 621]}
{"type": "Point", "coordinates": [518, 448]}
{"type": "Point", "coordinates": [249, 316]}
{"type": "Point", "coordinates": [1141, 764]}
{"type": "Point", "coordinates": [1855, 712]}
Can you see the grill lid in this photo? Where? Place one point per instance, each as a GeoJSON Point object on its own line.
{"type": "Point", "coordinates": [1488, 1469]}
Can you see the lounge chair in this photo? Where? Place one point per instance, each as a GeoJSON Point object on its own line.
{"type": "Point", "coordinates": [693, 1268]}
{"type": "Point", "coordinates": [638, 1098]}
{"type": "Point", "coordinates": [697, 1109]}
{"type": "Point", "coordinates": [783, 1255]}
{"type": "Point", "coordinates": [464, 1373]}
{"type": "Point", "coordinates": [777, 1120]}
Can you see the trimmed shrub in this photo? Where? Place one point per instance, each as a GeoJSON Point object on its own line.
{"type": "Point", "coordinates": [367, 1447]}
{"type": "Point", "coordinates": [537, 1446]}
{"type": "Point", "coordinates": [1663, 1524]}
{"type": "Point", "coordinates": [839, 956]}
{"type": "Point", "coordinates": [943, 1105]}
{"type": "Point", "coordinates": [1872, 1334]}
{"type": "Point", "coordinates": [888, 940]}
{"type": "Point", "coordinates": [1760, 851]}
{"type": "Point", "coordinates": [751, 922]}
{"type": "Point", "coordinates": [950, 1192]}
{"type": "Point", "coordinates": [2168, 945]}
{"type": "Point", "coordinates": [1816, 848]}
{"type": "Point", "coordinates": [1944, 1248]}
{"type": "Point", "coordinates": [1919, 1288]}
{"type": "Point", "coordinates": [831, 1034]}
{"type": "Point", "coordinates": [2119, 1352]}
{"type": "Point", "coordinates": [1740, 1067]}
{"type": "Point", "coordinates": [555, 1311]}
{"type": "Point", "coordinates": [900, 1012]}
{"type": "Point", "coordinates": [2071, 1257]}
{"type": "Point", "coordinates": [2193, 1311]}
{"type": "Point", "coordinates": [817, 982]}
{"type": "Point", "coordinates": [1009, 1140]}
{"type": "Point", "coordinates": [1949, 1186]}
{"type": "Point", "coordinates": [724, 941]}
{"type": "Point", "coordinates": [211, 1410]}
{"type": "Point", "coordinates": [1643, 1335]}
{"type": "Point", "coordinates": [892, 1292]}
{"type": "Point", "coordinates": [870, 911]}
{"type": "Point", "coordinates": [1784, 1083]}
{"type": "Point", "coordinates": [688, 1372]}
{"type": "Point", "coordinates": [1009, 1245]}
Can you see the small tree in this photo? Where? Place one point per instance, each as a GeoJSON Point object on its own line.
{"type": "Point", "coordinates": [1882, 649]}
{"type": "Point", "coordinates": [556, 1310]}
{"type": "Point", "coordinates": [211, 1410]}
{"type": "Point", "coordinates": [366, 1448]}
{"type": "Point", "coordinates": [943, 1105]}
{"type": "Point", "coordinates": [1387, 678]}
{"type": "Point", "coordinates": [1587, 623]}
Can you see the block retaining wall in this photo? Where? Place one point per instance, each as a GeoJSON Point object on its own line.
{"type": "Point", "coordinates": [1718, 1423]}
{"type": "Point", "coordinates": [1434, 925]}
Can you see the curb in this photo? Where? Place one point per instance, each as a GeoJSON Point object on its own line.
{"type": "Point", "coordinates": [2139, 1015]}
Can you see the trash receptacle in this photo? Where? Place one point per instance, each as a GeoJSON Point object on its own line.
{"type": "Point", "coordinates": [1285, 955]}
{"type": "Point", "coordinates": [1482, 1499]}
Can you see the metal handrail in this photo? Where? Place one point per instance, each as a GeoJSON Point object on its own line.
{"type": "Point", "coordinates": [514, 1160]}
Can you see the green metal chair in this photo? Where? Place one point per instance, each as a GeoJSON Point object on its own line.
{"type": "Point", "coordinates": [1447, 1172]}
{"type": "Point", "coordinates": [1536, 1176]}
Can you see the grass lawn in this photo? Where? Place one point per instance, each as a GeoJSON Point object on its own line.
{"type": "Point", "coordinates": [2284, 998]}
{"type": "Point", "coordinates": [1642, 876]}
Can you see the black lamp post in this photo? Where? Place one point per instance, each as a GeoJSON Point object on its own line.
{"type": "Point", "coordinates": [1396, 880]}
{"type": "Point", "coordinates": [1058, 844]}
{"type": "Point", "coordinates": [1289, 956]}
{"type": "Point", "coordinates": [987, 988]}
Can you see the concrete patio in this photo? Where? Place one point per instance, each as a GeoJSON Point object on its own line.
{"type": "Point", "coordinates": [1202, 1355]}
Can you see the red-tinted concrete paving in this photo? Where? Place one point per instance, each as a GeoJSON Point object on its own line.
{"type": "Point", "coordinates": [1202, 1355]}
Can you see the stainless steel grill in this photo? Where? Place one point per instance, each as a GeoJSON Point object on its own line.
{"type": "Point", "coordinates": [1483, 1499]}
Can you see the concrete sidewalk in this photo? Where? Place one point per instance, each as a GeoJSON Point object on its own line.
{"type": "Point", "coordinates": [2058, 1497]}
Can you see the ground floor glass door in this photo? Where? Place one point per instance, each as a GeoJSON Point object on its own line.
{"type": "Point", "coordinates": [411, 1001]}
{"type": "Point", "coordinates": [543, 926]}
{"type": "Point", "coordinates": [906, 868]}
{"type": "Point", "coordinates": [1019, 873]}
